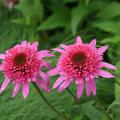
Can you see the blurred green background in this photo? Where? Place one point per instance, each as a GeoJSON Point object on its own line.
{"type": "Point", "coordinates": [52, 22]}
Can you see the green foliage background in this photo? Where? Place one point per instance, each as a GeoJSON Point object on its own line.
{"type": "Point", "coordinates": [52, 22]}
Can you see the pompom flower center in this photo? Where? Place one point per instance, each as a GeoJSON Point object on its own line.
{"type": "Point", "coordinates": [20, 59]}
{"type": "Point", "coordinates": [80, 61]}
{"type": "Point", "coordinates": [79, 58]}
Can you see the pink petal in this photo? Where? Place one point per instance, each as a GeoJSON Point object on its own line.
{"type": "Point", "coordinates": [78, 40]}
{"type": "Point", "coordinates": [45, 77]}
{"type": "Point", "coordinates": [80, 89]}
{"type": "Point", "coordinates": [24, 43]}
{"type": "Point", "coordinates": [46, 64]}
{"type": "Point", "coordinates": [107, 65]}
{"type": "Point", "coordinates": [93, 86]}
{"type": "Point", "coordinates": [93, 43]}
{"type": "Point", "coordinates": [16, 89]}
{"type": "Point", "coordinates": [54, 71]}
{"type": "Point", "coordinates": [102, 49]}
{"type": "Point", "coordinates": [64, 85]}
{"type": "Point", "coordinates": [58, 50]}
{"type": "Point", "coordinates": [45, 53]}
{"type": "Point", "coordinates": [105, 74]}
{"type": "Point", "coordinates": [2, 56]}
{"type": "Point", "coordinates": [78, 81]}
{"type": "Point", "coordinates": [5, 84]}
{"type": "Point", "coordinates": [58, 82]}
{"type": "Point", "coordinates": [10, 5]}
{"type": "Point", "coordinates": [88, 88]}
{"type": "Point", "coordinates": [1, 67]}
{"type": "Point", "coordinates": [42, 85]}
{"type": "Point", "coordinates": [25, 89]}
{"type": "Point", "coordinates": [35, 45]}
{"type": "Point", "coordinates": [63, 46]}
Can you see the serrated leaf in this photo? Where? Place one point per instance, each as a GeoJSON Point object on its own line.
{"type": "Point", "coordinates": [114, 110]}
{"type": "Point", "coordinates": [110, 11]}
{"type": "Point", "coordinates": [78, 14]}
{"type": "Point", "coordinates": [92, 112]}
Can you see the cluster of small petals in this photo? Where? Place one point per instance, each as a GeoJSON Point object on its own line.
{"type": "Point", "coordinates": [22, 64]}
{"type": "Point", "coordinates": [81, 63]}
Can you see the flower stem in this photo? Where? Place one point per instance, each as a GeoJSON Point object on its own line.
{"type": "Point", "coordinates": [69, 91]}
{"type": "Point", "coordinates": [73, 96]}
{"type": "Point", "coordinates": [48, 103]}
{"type": "Point", "coordinates": [118, 82]}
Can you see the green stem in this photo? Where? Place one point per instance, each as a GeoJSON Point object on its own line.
{"type": "Point", "coordinates": [117, 81]}
{"type": "Point", "coordinates": [48, 103]}
{"type": "Point", "coordinates": [72, 95]}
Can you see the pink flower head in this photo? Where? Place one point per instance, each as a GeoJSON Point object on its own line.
{"type": "Point", "coordinates": [10, 3]}
{"type": "Point", "coordinates": [22, 64]}
{"type": "Point", "coordinates": [81, 63]}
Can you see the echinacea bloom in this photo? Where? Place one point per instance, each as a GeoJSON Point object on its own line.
{"type": "Point", "coordinates": [81, 63]}
{"type": "Point", "coordinates": [23, 64]}
{"type": "Point", "coordinates": [11, 3]}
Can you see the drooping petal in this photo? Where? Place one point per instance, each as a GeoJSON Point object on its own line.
{"type": "Point", "coordinates": [5, 84]}
{"type": "Point", "coordinates": [1, 67]}
{"type": "Point", "coordinates": [107, 65]}
{"type": "Point", "coordinates": [54, 71]}
{"type": "Point", "coordinates": [42, 85]}
{"type": "Point", "coordinates": [25, 89]}
{"type": "Point", "coordinates": [78, 40]}
{"type": "Point", "coordinates": [2, 56]}
{"type": "Point", "coordinates": [64, 85]}
{"type": "Point", "coordinates": [45, 77]}
{"type": "Point", "coordinates": [45, 53]}
{"type": "Point", "coordinates": [105, 74]}
{"type": "Point", "coordinates": [93, 86]}
{"type": "Point", "coordinates": [93, 43]}
{"type": "Point", "coordinates": [80, 89]}
{"type": "Point", "coordinates": [16, 89]}
{"type": "Point", "coordinates": [63, 46]}
{"type": "Point", "coordinates": [58, 50]}
{"type": "Point", "coordinates": [88, 88]}
{"type": "Point", "coordinates": [35, 45]}
{"type": "Point", "coordinates": [58, 82]}
{"type": "Point", "coordinates": [102, 49]}
{"type": "Point", "coordinates": [46, 64]}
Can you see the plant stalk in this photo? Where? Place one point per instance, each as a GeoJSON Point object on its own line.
{"type": "Point", "coordinates": [48, 103]}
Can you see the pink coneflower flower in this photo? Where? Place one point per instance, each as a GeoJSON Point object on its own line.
{"type": "Point", "coordinates": [80, 63]}
{"type": "Point", "coordinates": [23, 64]}
{"type": "Point", "coordinates": [11, 3]}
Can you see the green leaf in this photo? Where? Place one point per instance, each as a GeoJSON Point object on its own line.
{"type": "Point", "coordinates": [114, 39]}
{"type": "Point", "coordinates": [31, 10]}
{"type": "Point", "coordinates": [58, 19]}
{"type": "Point", "coordinates": [110, 11]}
{"type": "Point", "coordinates": [105, 90]}
{"type": "Point", "coordinates": [114, 110]}
{"type": "Point", "coordinates": [78, 14]}
{"type": "Point", "coordinates": [69, 1]}
{"type": "Point", "coordinates": [108, 26]}
{"type": "Point", "coordinates": [117, 87]}
{"type": "Point", "coordinates": [92, 112]}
